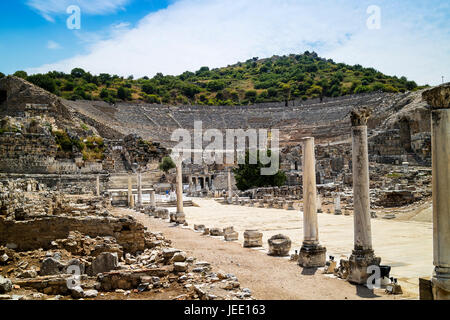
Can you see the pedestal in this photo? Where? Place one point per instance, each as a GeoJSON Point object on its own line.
{"type": "Point", "coordinates": [358, 263]}
{"type": "Point", "coordinates": [312, 256]}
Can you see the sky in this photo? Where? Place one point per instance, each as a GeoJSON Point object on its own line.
{"type": "Point", "coordinates": [144, 37]}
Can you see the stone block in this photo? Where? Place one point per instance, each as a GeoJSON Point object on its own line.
{"type": "Point", "coordinates": [105, 262]}
{"type": "Point", "coordinates": [312, 256]}
{"type": "Point", "coordinates": [252, 239]}
{"type": "Point", "coordinates": [231, 236]}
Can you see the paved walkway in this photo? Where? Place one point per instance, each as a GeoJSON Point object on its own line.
{"type": "Point", "coordinates": [407, 246]}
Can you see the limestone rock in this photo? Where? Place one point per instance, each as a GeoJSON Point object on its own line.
{"type": "Point", "coordinates": [77, 292]}
{"type": "Point", "coordinates": [180, 266]}
{"type": "Point", "coordinates": [105, 262]}
{"type": "Point", "coordinates": [5, 285]}
{"type": "Point", "coordinates": [51, 266]}
{"type": "Point", "coordinates": [28, 274]}
{"type": "Point", "coordinates": [4, 258]}
{"type": "Point", "coordinates": [179, 257]}
{"type": "Point", "coordinates": [90, 294]}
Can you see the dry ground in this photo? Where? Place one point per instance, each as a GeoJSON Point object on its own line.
{"type": "Point", "coordinates": [267, 277]}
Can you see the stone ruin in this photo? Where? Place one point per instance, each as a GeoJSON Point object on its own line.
{"type": "Point", "coordinates": [46, 235]}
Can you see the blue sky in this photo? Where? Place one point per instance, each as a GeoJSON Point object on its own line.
{"type": "Point", "coordinates": [25, 33]}
{"type": "Point", "coordinates": [143, 37]}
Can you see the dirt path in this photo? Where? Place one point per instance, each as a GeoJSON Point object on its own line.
{"type": "Point", "coordinates": [269, 278]}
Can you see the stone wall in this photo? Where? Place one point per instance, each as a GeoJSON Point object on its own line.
{"type": "Point", "coordinates": [39, 233]}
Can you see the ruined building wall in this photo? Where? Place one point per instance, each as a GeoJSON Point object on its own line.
{"type": "Point", "coordinates": [39, 233]}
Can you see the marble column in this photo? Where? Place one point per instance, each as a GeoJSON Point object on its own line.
{"type": "Point", "coordinates": [363, 255]}
{"type": "Point", "coordinates": [180, 216]}
{"type": "Point", "coordinates": [139, 187]}
{"type": "Point", "coordinates": [439, 99]}
{"type": "Point", "coordinates": [152, 199]}
{"type": "Point", "coordinates": [98, 186]}
{"type": "Point", "coordinates": [312, 254]}
{"type": "Point", "coordinates": [230, 188]}
{"type": "Point", "coordinates": [130, 193]}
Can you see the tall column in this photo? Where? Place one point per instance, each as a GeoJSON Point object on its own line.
{"type": "Point", "coordinates": [312, 254]}
{"type": "Point", "coordinates": [130, 193]}
{"type": "Point", "coordinates": [180, 216]}
{"type": "Point", "coordinates": [152, 198]}
{"type": "Point", "coordinates": [439, 99]}
{"type": "Point", "coordinates": [98, 186]}
{"type": "Point", "coordinates": [230, 188]}
{"type": "Point", "coordinates": [363, 255]}
{"type": "Point", "coordinates": [139, 187]}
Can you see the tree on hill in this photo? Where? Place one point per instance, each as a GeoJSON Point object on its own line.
{"type": "Point", "coordinates": [44, 81]}
{"type": "Point", "coordinates": [167, 164]}
{"type": "Point", "coordinates": [275, 79]}
{"type": "Point", "coordinates": [77, 73]}
{"type": "Point", "coordinates": [21, 74]}
{"type": "Point", "coordinates": [249, 176]}
{"type": "Point", "coordinates": [123, 93]}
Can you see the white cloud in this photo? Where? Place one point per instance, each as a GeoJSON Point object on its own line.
{"type": "Point", "coordinates": [52, 45]}
{"type": "Point", "coordinates": [194, 33]}
{"type": "Point", "coordinates": [48, 8]}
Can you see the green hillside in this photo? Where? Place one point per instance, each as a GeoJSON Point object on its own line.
{"type": "Point", "coordinates": [278, 78]}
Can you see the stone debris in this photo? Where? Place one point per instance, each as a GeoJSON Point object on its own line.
{"type": "Point", "coordinates": [92, 251]}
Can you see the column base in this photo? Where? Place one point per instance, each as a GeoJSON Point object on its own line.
{"type": "Point", "coordinates": [358, 263]}
{"type": "Point", "coordinates": [441, 283]}
{"type": "Point", "coordinates": [180, 218]}
{"type": "Point", "coordinates": [312, 256]}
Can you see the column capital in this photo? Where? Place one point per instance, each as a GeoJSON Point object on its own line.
{"type": "Point", "coordinates": [359, 116]}
{"type": "Point", "coordinates": [438, 97]}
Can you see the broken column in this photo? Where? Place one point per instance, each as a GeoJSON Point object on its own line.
{"type": "Point", "coordinates": [363, 255]}
{"type": "Point", "coordinates": [337, 204]}
{"type": "Point", "coordinates": [130, 193]}
{"type": "Point", "coordinates": [439, 99]}
{"type": "Point", "coordinates": [180, 216]}
{"type": "Point", "coordinates": [312, 254]}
